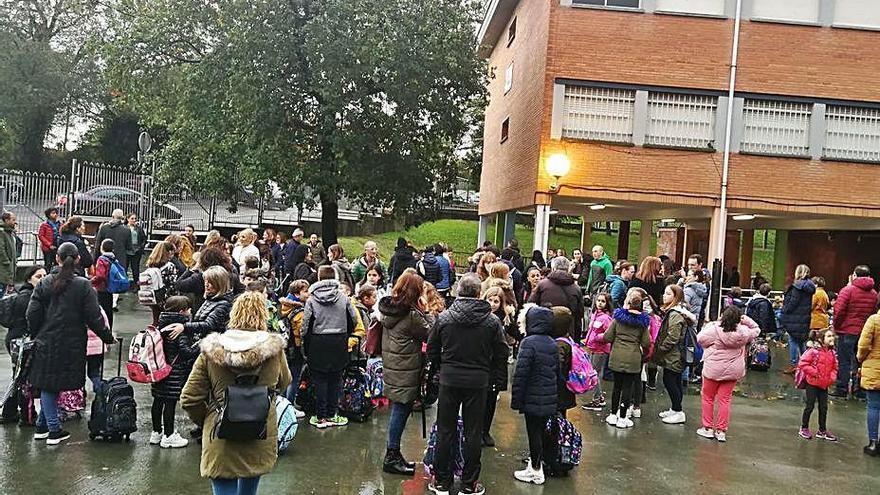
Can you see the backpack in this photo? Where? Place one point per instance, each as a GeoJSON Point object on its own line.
{"type": "Point", "coordinates": [687, 346]}
{"type": "Point", "coordinates": [582, 377]}
{"type": "Point", "coordinates": [146, 357]}
{"type": "Point", "coordinates": [376, 372]}
{"type": "Point", "coordinates": [6, 305]}
{"type": "Point", "coordinates": [759, 355]}
{"type": "Point", "coordinates": [562, 446]}
{"type": "Point", "coordinates": [151, 287]}
{"type": "Point", "coordinates": [457, 448]}
{"type": "Point", "coordinates": [117, 277]}
{"type": "Point", "coordinates": [244, 413]}
{"type": "Point", "coordinates": [287, 423]}
{"type": "Point", "coordinates": [356, 403]}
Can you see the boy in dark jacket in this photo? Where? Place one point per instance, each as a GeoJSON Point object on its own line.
{"type": "Point", "coordinates": [760, 309]}
{"type": "Point", "coordinates": [292, 308]}
{"type": "Point", "coordinates": [561, 323]}
{"type": "Point", "coordinates": [535, 386]}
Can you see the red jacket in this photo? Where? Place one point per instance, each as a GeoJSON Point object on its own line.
{"type": "Point", "coordinates": [102, 272]}
{"type": "Point", "coordinates": [855, 303]}
{"type": "Point", "coordinates": [819, 366]}
{"type": "Point", "coordinates": [47, 237]}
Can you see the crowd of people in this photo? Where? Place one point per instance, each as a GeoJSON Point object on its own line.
{"type": "Point", "coordinates": [279, 312]}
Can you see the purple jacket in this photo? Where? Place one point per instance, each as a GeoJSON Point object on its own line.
{"type": "Point", "coordinates": [724, 352]}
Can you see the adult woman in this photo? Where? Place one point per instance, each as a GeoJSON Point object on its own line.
{"type": "Point", "coordinates": [18, 328]}
{"type": "Point", "coordinates": [797, 307]}
{"type": "Point", "coordinates": [182, 261]}
{"type": "Point", "coordinates": [236, 466]}
{"type": "Point", "coordinates": [336, 258]}
{"type": "Point", "coordinates": [63, 306]}
{"type": "Point", "coordinates": [406, 326]}
{"type": "Point", "coordinates": [538, 259]}
{"type": "Point", "coordinates": [304, 268]}
{"type": "Point", "coordinates": [724, 364]}
{"type": "Point", "coordinates": [214, 240]}
{"type": "Point", "coordinates": [160, 258]}
{"type": "Point", "coordinates": [270, 239]}
{"type": "Point", "coordinates": [245, 247]}
{"type": "Point", "coordinates": [579, 268]}
{"type": "Point", "coordinates": [192, 281]}
{"type": "Point", "coordinates": [868, 353]}
{"type": "Point", "coordinates": [72, 231]}
{"type": "Point", "coordinates": [667, 350]}
{"type": "Point", "coordinates": [648, 277]}
{"type": "Point", "coordinates": [138, 246]}
{"type": "Point", "coordinates": [483, 265]}
{"type": "Point", "coordinates": [213, 315]}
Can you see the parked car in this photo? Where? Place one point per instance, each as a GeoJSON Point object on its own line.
{"type": "Point", "coordinates": [100, 201]}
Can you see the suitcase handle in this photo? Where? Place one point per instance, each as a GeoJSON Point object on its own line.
{"type": "Point", "coordinates": [118, 362]}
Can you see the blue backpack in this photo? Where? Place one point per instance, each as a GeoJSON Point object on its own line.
{"type": "Point", "coordinates": [117, 277]}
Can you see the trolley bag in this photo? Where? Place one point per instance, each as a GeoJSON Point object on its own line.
{"type": "Point", "coordinates": [356, 403]}
{"type": "Point", "coordinates": [305, 397]}
{"type": "Point", "coordinates": [562, 446]}
{"type": "Point", "coordinates": [114, 410]}
{"type": "Point", "coordinates": [759, 358]}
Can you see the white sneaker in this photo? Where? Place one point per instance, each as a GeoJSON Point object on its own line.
{"type": "Point", "coordinates": [511, 359]}
{"type": "Point", "coordinates": [636, 413]}
{"type": "Point", "coordinates": [175, 441]}
{"type": "Point", "coordinates": [155, 437]}
{"type": "Point", "coordinates": [624, 423]}
{"type": "Point", "coordinates": [299, 414]}
{"type": "Point", "coordinates": [706, 433]}
{"type": "Point", "coordinates": [611, 419]}
{"type": "Point", "coordinates": [721, 436]}
{"type": "Point", "coordinates": [530, 475]}
{"type": "Point", "coordinates": [665, 413]}
{"type": "Point", "coordinates": [676, 418]}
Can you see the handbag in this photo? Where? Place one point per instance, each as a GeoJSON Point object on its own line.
{"type": "Point", "coordinates": [373, 346]}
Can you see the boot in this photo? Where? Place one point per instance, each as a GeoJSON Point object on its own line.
{"type": "Point", "coordinates": [872, 449]}
{"type": "Point", "coordinates": [411, 465]}
{"type": "Point", "coordinates": [488, 441]}
{"type": "Point", "coordinates": [395, 463]}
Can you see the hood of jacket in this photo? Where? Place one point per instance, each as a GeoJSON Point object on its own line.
{"type": "Point", "coordinates": [559, 277]}
{"type": "Point", "coordinates": [342, 263]}
{"type": "Point", "coordinates": [241, 349]}
{"type": "Point", "coordinates": [561, 321]}
{"type": "Point", "coordinates": [429, 259]}
{"type": "Point", "coordinates": [325, 292]}
{"type": "Point", "coordinates": [469, 310]}
{"type": "Point", "coordinates": [392, 313]}
{"type": "Point", "coordinates": [699, 289]}
{"type": "Point", "coordinates": [539, 321]}
{"type": "Point", "coordinates": [630, 319]}
{"type": "Point", "coordinates": [114, 223]}
{"type": "Point", "coordinates": [806, 285]}
{"type": "Point", "coordinates": [680, 309]}
{"type": "Point", "coordinates": [863, 283]}
{"type": "Point", "coordinates": [614, 278]}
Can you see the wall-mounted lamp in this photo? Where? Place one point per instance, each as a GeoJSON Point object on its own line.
{"type": "Point", "coordinates": [557, 167]}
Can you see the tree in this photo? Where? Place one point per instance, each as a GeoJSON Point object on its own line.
{"type": "Point", "coordinates": [329, 98]}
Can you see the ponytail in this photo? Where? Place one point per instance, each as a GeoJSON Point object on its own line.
{"type": "Point", "coordinates": [62, 280]}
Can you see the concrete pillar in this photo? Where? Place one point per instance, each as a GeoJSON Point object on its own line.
{"type": "Point", "coordinates": [747, 255]}
{"type": "Point", "coordinates": [780, 260]}
{"type": "Point", "coordinates": [715, 239]}
{"type": "Point", "coordinates": [586, 232]}
{"type": "Point", "coordinates": [509, 227]}
{"type": "Point", "coordinates": [483, 231]}
{"type": "Point", "coordinates": [498, 238]}
{"type": "Point", "coordinates": [671, 242]}
{"type": "Point", "coordinates": [646, 233]}
{"type": "Point", "coordinates": [623, 240]}
{"type": "Point", "coordinates": [542, 228]}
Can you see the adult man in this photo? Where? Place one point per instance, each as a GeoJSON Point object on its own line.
{"type": "Point", "coordinates": [516, 258]}
{"type": "Point", "coordinates": [855, 303]}
{"type": "Point", "coordinates": [49, 233]}
{"type": "Point", "coordinates": [370, 259]}
{"type": "Point", "coordinates": [289, 248]}
{"type": "Point", "coordinates": [428, 267]}
{"type": "Point", "coordinates": [117, 230]}
{"type": "Point", "coordinates": [618, 282]}
{"type": "Point", "coordinates": [319, 254]}
{"type": "Point", "coordinates": [469, 348]}
{"type": "Point", "coordinates": [559, 289]}
{"type": "Point", "coordinates": [600, 269]}
{"type": "Point", "coordinates": [138, 246]}
{"type": "Point", "coordinates": [8, 252]}
{"type": "Point", "coordinates": [401, 259]}
{"type": "Point", "coordinates": [446, 273]}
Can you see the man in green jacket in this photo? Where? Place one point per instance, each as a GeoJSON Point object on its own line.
{"type": "Point", "coordinates": [370, 259]}
{"type": "Point", "coordinates": [599, 259]}
{"type": "Point", "coordinates": [8, 252]}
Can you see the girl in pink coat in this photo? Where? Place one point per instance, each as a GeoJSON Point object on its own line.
{"type": "Point", "coordinates": [598, 349]}
{"type": "Point", "coordinates": [818, 367]}
{"type": "Point", "coordinates": [724, 363]}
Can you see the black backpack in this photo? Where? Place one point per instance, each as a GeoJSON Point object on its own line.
{"type": "Point", "coordinates": [7, 308]}
{"type": "Point", "coordinates": [244, 413]}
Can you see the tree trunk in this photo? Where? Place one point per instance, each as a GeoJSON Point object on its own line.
{"type": "Point", "coordinates": [32, 133]}
{"type": "Point", "coordinates": [329, 217]}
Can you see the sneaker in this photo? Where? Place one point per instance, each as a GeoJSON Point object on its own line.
{"type": "Point", "coordinates": [805, 433]}
{"type": "Point", "coordinates": [56, 437]}
{"type": "Point", "coordinates": [676, 418]}
{"type": "Point", "coordinates": [155, 437]}
{"type": "Point", "coordinates": [706, 433]}
{"type": "Point", "coordinates": [338, 420]}
{"type": "Point", "coordinates": [826, 435]}
{"type": "Point", "coordinates": [624, 423]}
{"type": "Point", "coordinates": [475, 489]}
{"type": "Point", "coordinates": [637, 412]}
{"type": "Point", "coordinates": [299, 414]}
{"type": "Point", "coordinates": [721, 436]}
{"type": "Point", "coordinates": [175, 441]}
{"type": "Point", "coordinates": [838, 393]}
{"type": "Point", "coordinates": [665, 413]}
{"type": "Point", "coordinates": [511, 360]}
{"type": "Point", "coordinates": [530, 475]}
{"type": "Point", "coordinates": [594, 405]}
{"type": "Point", "coordinates": [41, 433]}
{"type": "Point", "coordinates": [611, 419]}
{"type": "Point", "coordinates": [790, 370]}
{"type": "Point", "coordinates": [320, 423]}
{"type": "Point", "coordinates": [437, 488]}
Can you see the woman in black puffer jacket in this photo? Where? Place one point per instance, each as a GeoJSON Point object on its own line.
{"type": "Point", "coordinates": [797, 307]}
{"type": "Point", "coordinates": [213, 315]}
{"type": "Point", "coordinates": [535, 382]}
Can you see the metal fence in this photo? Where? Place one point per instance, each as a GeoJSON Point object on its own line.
{"type": "Point", "coordinates": [28, 195]}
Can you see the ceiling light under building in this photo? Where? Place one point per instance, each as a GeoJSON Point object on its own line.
{"type": "Point", "coordinates": [744, 218]}
{"type": "Point", "coordinates": [597, 207]}
{"type": "Point", "coordinates": [667, 220]}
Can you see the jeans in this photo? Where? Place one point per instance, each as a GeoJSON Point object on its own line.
{"type": "Point", "coordinates": [846, 361]}
{"type": "Point", "coordinates": [795, 350]}
{"type": "Point", "coordinates": [328, 386]}
{"type": "Point", "coordinates": [237, 486]}
{"type": "Point", "coordinates": [535, 431]}
{"type": "Point", "coordinates": [162, 414]}
{"type": "Point", "coordinates": [295, 362]}
{"type": "Point", "coordinates": [873, 414]}
{"type": "Point", "coordinates": [472, 402]}
{"type": "Point", "coordinates": [93, 371]}
{"type": "Point", "coordinates": [815, 394]}
{"type": "Point", "coordinates": [49, 411]}
{"type": "Point", "coordinates": [396, 423]}
{"type": "Point", "coordinates": [721, 392]}
{"type": "Point", "coordinates": [674, 387]}
{"type": "Point", "coordinates": [599, 361]}
{"type": "Point", "coordinates": [623, 391]}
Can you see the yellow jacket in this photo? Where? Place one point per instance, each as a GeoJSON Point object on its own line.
{"type": "Point", "coordinates": [819, 313]}
{"type": "Point", "coordinates": [360, 331]}
{"type": "Point", "coordinates": [288, 307]}
{"type": "Point", "coordinates": [868, 353]}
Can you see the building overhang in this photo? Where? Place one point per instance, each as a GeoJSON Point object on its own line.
{"type": "Point", "coordinates": [498, 13]}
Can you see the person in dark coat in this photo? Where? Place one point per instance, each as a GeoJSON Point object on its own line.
{"type": "Point", "coordinates": [72, 231]}
{"type": "Point", "coordinates": [797, 308]}
{"type": "Point", "coordinates": [61, 310]}
{"type": "Point", "coordinates": [649, 278]}
{"type": "Point", "coordinates": [428, 267]}
{"type": "Point", "coordinates": [401, 260]}
{"type": "Point", "coordinates": [561, 323]}
{"type": "Point", "coordinates": [180, 353]}
{"type": "Point", "coordinates": [18, 328]}
{"type": "Point", "coordinates": [468, 346]}
{"type": "Point", "coordinates": [303, 267]}
{"type": "Point", "coordinates": [516, 276]}
{"type": "Point", "coordinates": [760, 309]}
{"type": "Point", "coordinates": [138, 246]}
{"type": "Point", "coordinates": [559, 289]}
{"type": "Point", "coordinates": [117, 230]}
{"type": "Point", "coordinates": [516, 258]}
{"type": "Point", "coordinates": [192, 281]}
{"type": "Point", "coordinates": [213, 316]}
{"type": "Point", "coordinates": [536, 385]}
{"type": "Point", "coordinates": [855, 304]}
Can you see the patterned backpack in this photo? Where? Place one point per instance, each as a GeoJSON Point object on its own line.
{"type": "Point", "coordinates": [375, 371]}
{"type": "Point", "coordinates": [562, 446]}
{"type": "Point", "coordinates": [759, 355]}
{"type": "Point", "coordinates": [457, 450]}
{"type": "Point", "coordinates": [355, 403]}
{"type": "Point", "coordinates": [146, 357]}
{"type": "Point", "coordinates": [582, 377]}
{"type": "Point", "coordinates": [287, 423]}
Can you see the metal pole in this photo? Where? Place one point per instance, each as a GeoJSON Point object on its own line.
{"type": "Point", "coordinates": [2, 198]}
{"type": "Point", "coordinates": [71, 197]}
{"type": "Point", "coordinates": [150, 202]}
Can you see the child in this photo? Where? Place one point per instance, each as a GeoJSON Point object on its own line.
{"type": "Point", "coordinates": [819, 368]}
{"type": "Point", "coordinates": [99, 281]}
{"type": "Point", "coordinates": [292, 310]}
{"type": "Point", "coordinates": [630, 340]}
{"type": "Point", "coordinates": [375, 278]}
{"type": "Point", "coordinates": [600, 320]}
{"type": "Point", "coordinates": [365, 302]}
{"type": "Point", "coordinates": [734, 298]}
{"type": "Point", "coordinates": [535, 382]}
{"type": "Point", "coordinates": [760, 309]}
{"type": "Point", "coordinates": [667, 350]}
{"type": "Point", "coordinates": [495, 297]}
{"type": "Point", "coordinates": [181, 352]}
{"type": "Point", "coordinates": [274, 322]}
{"type": "Point", "coordinates": [561, 325]}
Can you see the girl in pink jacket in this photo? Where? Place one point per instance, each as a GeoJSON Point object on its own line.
{"type": "Point", "coordinates": [818, 367]}
{"type": "Point", "coordinates": [724, 363]}
{"type": "Point", "coordinates": [598, 349]}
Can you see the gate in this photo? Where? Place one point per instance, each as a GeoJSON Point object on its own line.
{"type": "Point", "coordinates": [28, 195]}
{"type": "Point", "coordinates": [97, 189]}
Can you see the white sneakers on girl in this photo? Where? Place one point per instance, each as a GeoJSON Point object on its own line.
{"type": "Point", "coordinates": [721, 436]}
{"type": "Point", "coordinates": [676, 418]}
{"type": "Point", "coordinates": [155, 437]}
{"type": "Point", "coordinates": [665, 413]}
{"type": "Point", "coordinates": [624, 423]}
{"type": "Point", "coordinates": [175, 441]}
{"type": "Point", "coordinates": [611, 419]}
{"type": "Point", "coordinates": [706, 433]}
{"type": "Point", "coordinates": [530, 475]}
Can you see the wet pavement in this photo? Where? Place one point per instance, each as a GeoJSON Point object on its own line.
{"type": "Point", "coordinates": [763, 453]}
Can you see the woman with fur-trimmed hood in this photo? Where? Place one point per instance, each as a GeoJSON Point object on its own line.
{"type": "Point", "coordinates": [245, 348]}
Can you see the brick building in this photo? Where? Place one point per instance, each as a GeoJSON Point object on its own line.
{"type": "Point", "coordinates": [635, 94]}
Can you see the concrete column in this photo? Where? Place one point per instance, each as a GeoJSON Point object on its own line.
{"type": "Point", "coordinates": [483, 231]}
{"type": "Point", "coordinates": [586, 232]}
{"type": "Point", "coordinates": [715, 239]}
{"type": "Point", "coordinates": [623, 240]}
{"type": "Point", "coordinates": [542, 228]}
{"type": "Point", "coordinates": [646, 233]}
{"type": "Point", "coordinates": [498, 238]}
{"type": "Point", "coordinates": [817, 131]}
{"type": "Point", "coordinates": [780, 260]}
{"type": "Point", "coordinates": [747, 255]}
{"type": "Point", "coordinates": [558, 112]}
{"type": "Point", "coordinates": [509, 227]}
{"type": "Point", "coordinates": [640, 118]}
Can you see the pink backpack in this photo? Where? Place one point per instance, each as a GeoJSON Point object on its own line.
{"type": "Point", "coordinates": [146, 357]}
{"type": "Point", "coordinates": [582, 378]}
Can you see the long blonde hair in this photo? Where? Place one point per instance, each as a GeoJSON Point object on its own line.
{"type": "Point", "coordinates": [801, 272]}
{"type": "Point", "coordinates": [161, 255]}
{"type": "Point", "coordinates": [249, 312]}
{"type": "Point", "coordinates": [218, 277]}
{"type": "Point", "coordinates": [435, 303]}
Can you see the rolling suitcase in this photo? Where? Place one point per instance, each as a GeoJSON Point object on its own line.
{"type": "Point", "coordinates": [114, 411]}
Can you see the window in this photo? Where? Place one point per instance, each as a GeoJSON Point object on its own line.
{"type": "Point", "coordinates": [631, 4]}
{"type": "Point", "coordinates": [776, 128]}
{"type": "Point", "coordinates": [803, 11]}
{"type": "Point", "coordinates": [681, 121]}
{"type": "Point", "coordinates": [857, 13]}
{"type": "Point", "coordinates": [505, 129]}
{"type": "Point", "coordinates": [599, 114]}
{"type": "Point", "coordinates": [511, 31]}
{"type": "Point", "coordinates": [508, 78]}
{"type": "Point", "coordinates": [852, 133]}
{"type": "Point", "coordinates": [705, 7]}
